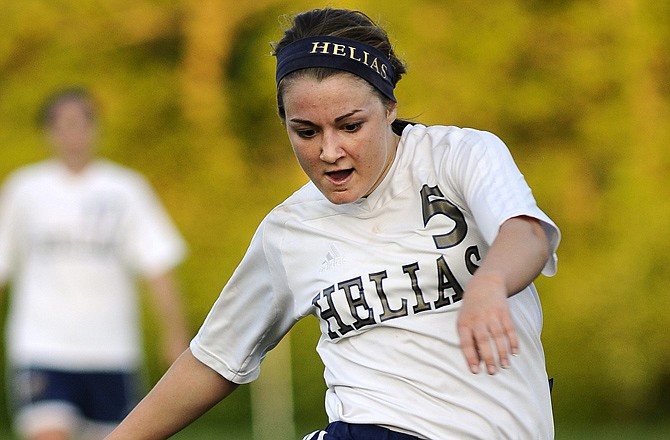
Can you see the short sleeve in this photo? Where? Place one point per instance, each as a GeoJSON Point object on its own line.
{"type": "Point", "coordinates": [249, 318]}
{"type": "Point", "coordinates": [154, 244]}
{"type": "Point", "coordinates": [495, 190]}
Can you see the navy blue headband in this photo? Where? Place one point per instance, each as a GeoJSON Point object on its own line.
{"type": "Point", "coordinates": [338, 53]}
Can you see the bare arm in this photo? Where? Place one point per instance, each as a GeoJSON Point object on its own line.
{"type": "Point", "coordinates": [169, 311]}
{"type": "Point", "coordinates": [514, 260]}
{"type": "Point", "coordinates": [188, 390]}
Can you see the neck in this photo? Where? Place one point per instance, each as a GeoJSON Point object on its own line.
{"type": "Point", "coordinates": [76, 166]}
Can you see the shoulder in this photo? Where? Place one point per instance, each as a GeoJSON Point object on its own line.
{"type": "Point", "coordinates": [448, 136]}
{"type": "Point", "coordinates": [112, 175]}
{"type": "Point", "coordinates": [31, 175]}
{"type": "Point", "coordinates": [109, 169]}
{"type": "Point", "coordinates": [298, 214]}
{"type": "Point", "coordinates": [450, 145]}
{"type": "Point", "coordinates": [305, 203]}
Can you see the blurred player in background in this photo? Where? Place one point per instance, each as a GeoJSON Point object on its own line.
{"type": "Point", "coordinates": [75, 234]}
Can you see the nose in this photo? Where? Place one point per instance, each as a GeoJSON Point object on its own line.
{"type": "Point", "coordinates": [331, 149]}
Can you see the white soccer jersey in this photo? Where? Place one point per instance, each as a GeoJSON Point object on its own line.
{"type": "Point", "coordinates": [73, 245]}
{"type": "Point", "coordinates": [385, 276]}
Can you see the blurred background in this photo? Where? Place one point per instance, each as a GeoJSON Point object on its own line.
{"type": "Point", "coordinates": [579, 91]}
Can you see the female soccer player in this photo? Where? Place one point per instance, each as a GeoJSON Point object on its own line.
{"type": "Point", "coordinates": [415, 247]}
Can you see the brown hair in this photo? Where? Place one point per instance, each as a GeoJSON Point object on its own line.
{"type": "Point", "coordinates": [72, 94]}
{"type": "Point", "coordinates": [344, 23]}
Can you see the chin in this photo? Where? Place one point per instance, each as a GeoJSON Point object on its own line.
{"type": "Point", "coordinates": [341, 199]}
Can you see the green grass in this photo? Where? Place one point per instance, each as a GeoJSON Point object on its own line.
{"type": "Point", "coordinates": [609, 432]}
{"type": "Point", "coordinates": [213, 432]}
{"type": "Point", "coordinates": [660, 431]}
{"type": "Point", "coordinates": [207, 430]}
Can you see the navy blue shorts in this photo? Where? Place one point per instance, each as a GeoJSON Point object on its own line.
{"type": "Point", "coordinates": [349, 431]}
{"type": "Point", "coordinates": [105, 397]}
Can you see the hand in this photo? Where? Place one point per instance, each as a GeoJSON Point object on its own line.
{"type": "Point", "coordinates": [485, 325]}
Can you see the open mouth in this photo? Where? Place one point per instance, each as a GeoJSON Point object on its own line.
{"type": "Point", "coordinates": [339, 176]}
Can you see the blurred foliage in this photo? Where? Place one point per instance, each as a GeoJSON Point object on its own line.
{"type": "Point", "coordinates": [579, 90]}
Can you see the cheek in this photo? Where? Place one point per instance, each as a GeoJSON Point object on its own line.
{"type": "Point", "coordinates": [371, 154]}
{"type": "Point", "coordinates": [303, 154]}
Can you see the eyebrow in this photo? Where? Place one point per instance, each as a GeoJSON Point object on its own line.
{"type": "Point", "coordinates": [351, 113]}
{"type": "Point", "coordinates": [338, 119]}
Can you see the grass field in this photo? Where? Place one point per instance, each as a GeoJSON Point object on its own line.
{"type": "Point", "coordinates": [211, 431]}
{"type": "Point", "coordinates": [610, 432]}
{"type": "Point", "coordinates": [615, 432]}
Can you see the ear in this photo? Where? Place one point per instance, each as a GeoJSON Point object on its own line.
{"type": "Point", "coordinates": [392, 112]}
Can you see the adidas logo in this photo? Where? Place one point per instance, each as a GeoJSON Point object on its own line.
{"type": "Point", "coordinates": [333, 259]}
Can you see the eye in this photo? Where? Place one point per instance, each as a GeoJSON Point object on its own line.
{"type": "Point", "coordinates": [306, 133]}
{"type": "Point", "coordinates": [352, 127]}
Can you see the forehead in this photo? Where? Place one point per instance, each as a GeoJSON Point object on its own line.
{"type": "Point", "coordinates": [71, 104]}
{"type": "Point", "coordinates": [69, 107]}
{"type": "Point", "coordinates": [336, 91]}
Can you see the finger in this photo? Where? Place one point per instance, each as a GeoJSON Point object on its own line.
{"type": "Point", "coordinates": [484, 345]}
{"type": "Point", "coordinates": [505, 339]}
{"type": "Point", "coordinates": [500, 341]}
{"type": "Point", "coordinates": [512, 337]}
{"type": "Point", "coordinates": [485, 342]}
{"type": "Point", "coordinates": [469, 349]}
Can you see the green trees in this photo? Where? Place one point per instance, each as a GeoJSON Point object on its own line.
{"type": "Point", "coordinates": [580, 91]}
